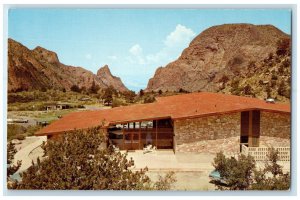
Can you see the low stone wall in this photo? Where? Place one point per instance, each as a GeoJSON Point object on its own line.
{"type": "Point", "coordinates": [265, 141]}
{"type": "Point", "coordinates": [275, 125]}
{"type": "Point", "coordinates": [229, 146]}
{"type": "Point", "coordinates": [195, 133]}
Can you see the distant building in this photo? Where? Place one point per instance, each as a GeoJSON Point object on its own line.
{"type": "Point", "coordinates": [195, 122]}
{"type": "Point", "coordinates": [57, 106]}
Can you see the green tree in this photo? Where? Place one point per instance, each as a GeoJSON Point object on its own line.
{"type": "Point", "coordinates": [11, 168]}
{"type": "Point", "coordinates": [241, 173]}
{"type": "Point", "coordinates": [272, 176]}
{"type": "Point", "coordinates": [108, 95]}
{"type": "Point", "coordinates": [129, 96]}
{"type": "Point", "coordinates": [80, 160]}
{"type": "Point", "coordinates": [236, 172]}
{"type": "Point", "coordinates": [94, 88]}
{"type": "Point", "coordinates": [75, 88]}
{"type": "Point", "coordinates": [141, 93]}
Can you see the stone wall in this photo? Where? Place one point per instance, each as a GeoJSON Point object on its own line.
{"type": "Point", "coordinates": [275, 125]}
{"type": "Point", "coordinates": [202, 133]}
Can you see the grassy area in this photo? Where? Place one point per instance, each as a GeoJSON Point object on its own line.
{"type": "Point", "coordinates": [16, 131]}
{"type": "Point", "coordinates": [37, 100]}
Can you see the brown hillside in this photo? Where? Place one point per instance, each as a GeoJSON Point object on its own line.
{"type": "Point", "coordinates": [40, 69]}
{"type": "Point", "coordinates": [230, 51]}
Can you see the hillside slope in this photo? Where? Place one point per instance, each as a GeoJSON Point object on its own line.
{"type": "Point", "coordinates": [40, 69]}
{"type": "Point", "coordinates": [244, 53]}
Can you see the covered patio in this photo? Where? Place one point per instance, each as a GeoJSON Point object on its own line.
{"type": "Point", "coordinates": [137, 135]}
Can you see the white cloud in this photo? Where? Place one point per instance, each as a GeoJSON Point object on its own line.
{"type": "Point", "coordinates": [180, 36]}
{"type": "Point", "coordinates": [137, 55]}
{"type": "Point", "coordinates": [136, 50]}
{"type": "Point", "coordinates": [88, 56]}
{"type": "Point", "coordinates": [174, 43]}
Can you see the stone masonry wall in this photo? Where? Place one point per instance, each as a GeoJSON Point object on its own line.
{"type": "Point", "coordinates": [275, 125]}
{"type": "Point", "coordinates": [208, 133]}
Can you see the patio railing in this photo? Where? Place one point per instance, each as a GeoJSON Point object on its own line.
{"type": "Point", "coordinates": [261, 153]}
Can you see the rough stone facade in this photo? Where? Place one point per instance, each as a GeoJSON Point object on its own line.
{"type": "Point", "coordinates": [275, 125]}
{"type": "Point", "coordinates": [199, 134]}
{"type": "Point", "coordinates": [265, 141]}
{"type": "Point", "coordinates": [222, 132]}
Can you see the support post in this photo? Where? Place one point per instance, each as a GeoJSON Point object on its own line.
{"type": "Point", "coordinates": [156, 133]}
{"type": "Point", "coordinates": [250, 135]}
{"type": "Point", "coordinates": [139, 135]}
{"type": "Point", "coordinates": [123, 136]}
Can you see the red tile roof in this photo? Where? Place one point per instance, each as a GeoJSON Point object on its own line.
{"type": "Point", "coordinates": [175, 107]}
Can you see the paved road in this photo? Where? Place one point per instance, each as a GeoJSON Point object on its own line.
{"type": "Point", "coordinates": [23, 154]}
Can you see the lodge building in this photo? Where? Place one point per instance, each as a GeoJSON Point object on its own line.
{"type": "Point", "coordinates": [192, 122]}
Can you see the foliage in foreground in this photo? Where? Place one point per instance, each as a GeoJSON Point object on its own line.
{"type": "Point", "coordinates": [241, 173]}
{"type": "Point", "coordinates": [79, 160]}
{"type": "Point", "coordinates": [11, 168]}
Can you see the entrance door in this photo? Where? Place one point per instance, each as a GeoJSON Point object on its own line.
{"type": "Point", "coordinates": [250, 128]}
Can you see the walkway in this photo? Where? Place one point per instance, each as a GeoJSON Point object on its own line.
{"type": "Point", "coordinates": [23, 154]}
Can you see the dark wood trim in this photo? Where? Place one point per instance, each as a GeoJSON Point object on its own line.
{"type": "Point", "coordinates": [156, 132]}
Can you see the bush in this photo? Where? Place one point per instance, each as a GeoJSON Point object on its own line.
{"type": "Point", "coordinates": [224, 79]}
{"type": "Point", "coordinates": [283, 47]}
{"type": "Point", "coordinates": [248, 90]}
{"type": "Point", "coordinates": [15, 131]}
{"type": "Point", "coordinates": [75, 88]}
{"type": "Point", "coordinates": [236, 172]}
{"type": "Point", "coordinates": [141, 93]}
{"type": "Point", "coordinates": [241, 174]}
{"type": "Point", "coordinates": [94, 88]}
{"type": "Point", "coordinates": [283, 90]}
{"type": "Point", "coordinates": [117, 102]}
{"type": "Point", "coordinates": [149, 99]}
{"type": "Point", "coordinates": [79, 160]}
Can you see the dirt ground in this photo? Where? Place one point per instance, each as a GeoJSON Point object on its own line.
{"type": "Point", "coordinates": [188, 180]}
{"type": "Point", "coordinates": [191, 169]}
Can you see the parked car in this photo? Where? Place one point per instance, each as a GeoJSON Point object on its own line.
{"type": "Point", "coordinates": [216, 176]}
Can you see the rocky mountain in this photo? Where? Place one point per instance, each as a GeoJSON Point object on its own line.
{"type": "Point", "coordinates": [227, 58]}
{"type": "Point", "coordinates": [107, 78]}
{"type": "Point", "coordinates": [40, 69]}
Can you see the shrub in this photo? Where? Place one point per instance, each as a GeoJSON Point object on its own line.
{"type": "Point", "coordinates": [236, 172]}
{"type": "Point", "coordinates": [283, 90]}
{"type": "Point", "coordinates": [274, 77]}
{"type": "Point", "coordinates": [94, 88]}
{"type": "Point", "coordinates": [149, 99]}
{"type": "Point", "coordinates": [79, 160]}
{"type": "Point", "coordinates": [75, 88]}
{"type": "Point", "coordinates": [14, 131]}
{"type": "Point", "coordinates": [224, 79]}
{"type": "Point", "coordinates": [247, 90]}
{"type": "Point", "coordinates": [283, 47]}
{"type": "Point", "coordinates": [117, 102]}
{"type": "Point", "coordinates": [129, 96]}
{"type": "Point", "coordinates": [241, 174]}
{"type": "Point", "coordinates": [141, 93]}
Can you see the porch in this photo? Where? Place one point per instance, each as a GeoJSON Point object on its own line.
{"type": "Point", "coordinates": [137, 135]}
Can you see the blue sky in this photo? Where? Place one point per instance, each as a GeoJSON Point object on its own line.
{"type": "Point", "coordinates": [133, 42]}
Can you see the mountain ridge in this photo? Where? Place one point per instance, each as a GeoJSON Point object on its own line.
{"type": "Point", "coordinates": [40, 69]}
{"type": "Point", "coordinates": [230, 50]}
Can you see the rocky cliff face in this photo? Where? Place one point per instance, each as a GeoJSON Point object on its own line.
{"type": "Point", "coordinates": [40, 69]}
{"type": "Point", "coordinates": [107, 78]}
{"type": "Point", "coordinates": [231, 51]}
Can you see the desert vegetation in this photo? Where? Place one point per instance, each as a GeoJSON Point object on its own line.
{"type": "Point", "coordinates": [241, 173]}
{"type": "Point", "coordinates": [79, 160]}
